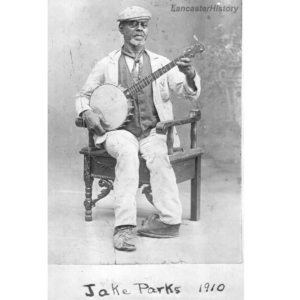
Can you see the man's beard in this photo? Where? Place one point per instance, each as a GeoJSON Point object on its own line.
{"type": "Point", "coordinates": [137, 43]}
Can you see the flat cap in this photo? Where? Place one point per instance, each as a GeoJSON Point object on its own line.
{"type": "Point", "coordinates": [134, 13]}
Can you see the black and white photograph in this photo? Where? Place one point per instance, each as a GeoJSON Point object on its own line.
{"type": "Point", "coordinates": [145, 149]}
{"type": "Point", "coordinates": [150, 149]}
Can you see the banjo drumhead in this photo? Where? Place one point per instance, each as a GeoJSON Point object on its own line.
{"type": "Point", "coordinates": [112, 103]}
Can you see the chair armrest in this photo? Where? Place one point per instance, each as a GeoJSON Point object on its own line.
{"type": "Point", "coordinates": [81, 123]}
{"type": "Point", "coordinates": [162, 127]}
{"type": "Point", "coordinates": [167, 127]}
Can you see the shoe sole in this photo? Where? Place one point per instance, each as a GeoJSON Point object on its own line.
{"type": "Point", "coordinates": [126, 250]}
{"type": "Point", "coordinates": [155, 235]}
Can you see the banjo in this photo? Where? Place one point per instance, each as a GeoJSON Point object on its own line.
{"type": "Point", "coordinates": [115, 102]}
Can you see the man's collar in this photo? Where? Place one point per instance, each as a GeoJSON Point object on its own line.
{"type": "Point", "coordinates": [114, 55]}
{"type": "Point", "coordinates": [135, 57]}
{"type": "Point", "coordinates": [151, 54]}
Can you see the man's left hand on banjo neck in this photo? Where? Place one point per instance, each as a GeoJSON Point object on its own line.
{"type": "Point", "coordinates": [185, 66]}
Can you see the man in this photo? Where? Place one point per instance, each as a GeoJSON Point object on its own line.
{"type": "Point", "coordinates": [126, 66]}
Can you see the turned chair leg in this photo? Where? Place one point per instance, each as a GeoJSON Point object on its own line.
{"type": "Point", "coordinates": [195, 191]}
{"type": "Point", "coordinates": [88, 199]}
{"type": "Point", "coordinates": [88, 190]}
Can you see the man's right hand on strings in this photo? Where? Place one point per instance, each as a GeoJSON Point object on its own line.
{"type": "Point", "coordinates": [95, 122]}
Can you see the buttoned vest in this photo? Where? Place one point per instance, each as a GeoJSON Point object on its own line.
{"type": "Point", "coordinates": [145, 116]}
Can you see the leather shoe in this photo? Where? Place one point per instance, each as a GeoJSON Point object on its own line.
{"type": "Point", "coordinates": [122, 237]}
{"type": "Point", "coordinates": [154, 227]}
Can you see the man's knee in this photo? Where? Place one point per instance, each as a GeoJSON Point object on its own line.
{"type": "Point", "coordinates": [127, 150]}
{"type": "Point", "coordinates": [128, 156]}
{"type": "Point", "coordinates": [158, 160]}
{"type": "Point", "coordinates": [120, 146]}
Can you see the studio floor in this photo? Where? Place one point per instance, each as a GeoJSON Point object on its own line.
{"type": "Point", "coordinates": [215, 239]}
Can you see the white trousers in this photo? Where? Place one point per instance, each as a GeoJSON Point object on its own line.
{"type": "Point", "coordinates": [125, 147]}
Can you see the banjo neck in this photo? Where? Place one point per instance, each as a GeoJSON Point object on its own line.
{"type": "Point", "coordinates": [152, 77]}
{"type": "Point", "coordinates": [189, 52]}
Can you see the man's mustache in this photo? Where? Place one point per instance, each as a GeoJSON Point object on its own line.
{"type": "Point", "coordinates": [139, 34]}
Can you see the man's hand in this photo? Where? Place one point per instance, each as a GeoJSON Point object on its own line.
{"type": "Point", "coordinates": [185, 66]}
{"type": "Point", "coordinates": [95, 122]}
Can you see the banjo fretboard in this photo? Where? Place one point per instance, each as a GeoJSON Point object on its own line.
{"type": "Point", "coordinates": [152, 77]}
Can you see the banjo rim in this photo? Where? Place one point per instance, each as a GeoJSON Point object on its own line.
{"type": "Point", "coordinates": [127, 106]}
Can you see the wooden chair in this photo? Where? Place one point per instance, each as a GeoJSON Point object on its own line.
{"type": "Point", "coordinates": [186, 164]}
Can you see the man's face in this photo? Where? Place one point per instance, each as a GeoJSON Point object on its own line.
{"type": "Point", "coordinates": [135, 31]}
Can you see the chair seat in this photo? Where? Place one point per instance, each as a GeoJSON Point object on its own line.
{"type": "Point", "coordinates": [102, 165]}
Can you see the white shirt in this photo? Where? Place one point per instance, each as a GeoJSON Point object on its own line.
{"type": "Point", "coordinates": [130, 63]}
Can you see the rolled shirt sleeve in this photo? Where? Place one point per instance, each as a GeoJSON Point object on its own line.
{"type": "Point", "coordinates": [95, 79]}
{"type": "Point", "coordinates": [190, 94]}
{"type": "Point", "coordinates": [177, 82]}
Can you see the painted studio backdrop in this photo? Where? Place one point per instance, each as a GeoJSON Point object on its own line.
{"type": "Point", "coordinates": [83, 32]}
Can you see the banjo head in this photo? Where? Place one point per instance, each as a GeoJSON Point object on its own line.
{"type": "Point", "coordinates": [110, 100]}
